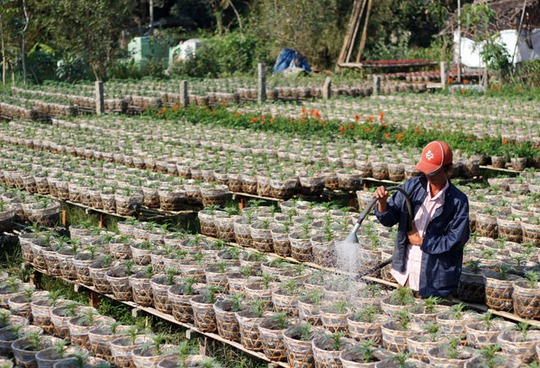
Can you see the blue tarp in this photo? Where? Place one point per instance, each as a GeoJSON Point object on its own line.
{"type": "Point", "coordinates": [289, 58]}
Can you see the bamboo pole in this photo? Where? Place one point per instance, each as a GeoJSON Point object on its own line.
{"type": "Point", "coordinates": [364, 32]}
{"type": "Point", "coordinates": [348, 35]}
{"type": "Point", "coordinates": [355, 32]}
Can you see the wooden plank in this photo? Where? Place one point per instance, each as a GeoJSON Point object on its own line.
{"type": "Point", "coordinates": [355, 32]}
{"type": "Point", "coordinates": [348, 36]}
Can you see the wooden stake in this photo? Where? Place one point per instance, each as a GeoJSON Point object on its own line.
{"type": "Point", "coordinates": [64, 218]}
{"type": "Point", "coordinates": [364, 33]}
{"type": "Point", "coordinates": [100, 223]}
{"type": "Point", "coordinates": [94, 299]}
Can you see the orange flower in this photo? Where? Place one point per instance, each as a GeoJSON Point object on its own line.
{"type": "Point", "coordinates": [263, 117]}
{"type": "Point", "coordinates": [367, 129]}
{"type": "Point", "coordinates": [342, 128]}
{"type": "Point", "coordinates": [463, 91]}
{"type": "Point", "coordinates": [176, 107]}
{"type": "Point", "coordinates": [356, 118]}
{"type": "Point", "coordinates": [399, 136]}
{"type": "Point", "coordinates": [381, 116]}
{"type": "Point", "coordinates": [450, 80]}
{"type": "Point", "coordinates": [370, 118]}
{"type": "Point", "coordinates": [505, 141]}
{"type": "Point", "coordinates": [237, 114]}
{"type": "Point", "coordinates": [351, 126]}
{"type": "Point", "coordinates": [465, 81]}
{"type": "Point", "coordinates": [272, 120]}
{"type": "Point", "coordinates": [254, 120]}
{"type": "Point", "coordinates": [387, 135]}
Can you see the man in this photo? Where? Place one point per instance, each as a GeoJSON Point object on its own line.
{"type": "Point", "coordinates": [428, 258]}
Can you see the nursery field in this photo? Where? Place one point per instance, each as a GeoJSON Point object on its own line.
{"type": "Point", "coordinates": [162, 235]}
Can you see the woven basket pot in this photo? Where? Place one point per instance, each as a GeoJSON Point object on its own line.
{"type": "Point", "coordinates": [120, 250]}
{"type": "Point", "coordinates": [509, 230]}
{"type": "Point", "coordinates": [516, 345]}
{"type": "Point", "coordinates": [225, 227]}
{"type": "Point", "coordinates": [204, 316]}
{"type": "Point", "coordinates": [310, 313]}
{"type": "Point", "coordinates": [394, 338]}
{"type": "Point", "coordinates": [471, 287]}
{"type": "Point", "coordinates": [419, 345]}
{"type": "Point", "coordinates": [79, 327]}
{"type": "Point", "coordinates": [324, 252]}
{"type": "Point", "coordinates": [98, 275]}
{"type": "Point", "coordinates": [99, 338]}
{"type": "Point", "coordinates": [301, 248]}
{"type": "Point", "coordinates": [25, 353]}
{"type": "Point", "coordinates": [360, 330]}
{"type": "Point", "coordinates": [526, 300]}
{"type": "Point", "coordinates": [249, 330]}
{"type": "Point", "coordinates": [67, 269]}
{"type": "Point", "coordinates": [122, 347]}
{"type": "Point", "coordinates": [227, 324]}
{"type": "Point", "coordinates": [140, 256]}
{"type": "Point", "coordinates": [52, 261]}
{"type": "Point", "coordinates": [47, 358]}
{"type": "Point", "coordinates": [351, 357]}
{"type": "Point", "coordinates": [242, 232]}
{"type": "Point", "coordinates": [119, 281]}
{"type": "Point", "coordinates": [257, 291]}
{"type": "Point", "coordinates": [504, 360]}
{"type": "Point", "coordinates": [531, 233]}
{"type": "Point", "coordinates": [280, 239]}
{"type": "Point", "coordinates": [141, 290]}
{"type": "Point", "coordinates": [478, 335]}
{"type": "Point", "coordinates": [334, 321]}
{"type": "Point", "coordinates": [25, 241]}
{"type": "Point", "coordinates": [81, 262]}
{"type": "Point", "coordinates": [144, 357]}
{"type": "Point", "coordinates": [216, 276]}
{"type": "Point", "coordinates": [285, 303]}
{"type": "Point", "coordinates": [486, 225]}
{"type": "Point", "coordinates": [20, 305]}
{"type": "Point", "coordinates": [180, 304]}
{"type": "Point", "coordinates": [207, 223]}
{"type": "Point", "coordinates": [160, 291]}
{"type": "Point", "coordinates": [60, 317]}
{"type": "Point", "coordinates": [283, 189]}
{"type": "Point", "coordinates": [299, 352]}
{"type": "Point", "coordinates": [499, 292]}
{"type": "Point", "coordinates": [324, 354]}
{"type": "Point", "coordinates": [272, 341]}
{"type": "Point", "coordinates": [450, 325]}
{"type": "Point", "coordinates": [438, 357]}
{"type": "Point", "coordinates": [8, 335]}
{"type": "Point", "coordinates": [312, 185]}
{"type": "Point", "coordinates": [261, 238]}
{"type": "Point", "coordinates": [41, 314]}
{"type": "Point", "coordinates": [263, 186]}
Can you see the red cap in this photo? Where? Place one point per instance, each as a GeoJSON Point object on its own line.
{"type": "Point", "coordinates": [434, 156]}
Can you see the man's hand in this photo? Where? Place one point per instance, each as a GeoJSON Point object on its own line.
{"type": "Point", "coordinates": [414, 238]}
{"type": "Point", "coordinates": [382, 195]}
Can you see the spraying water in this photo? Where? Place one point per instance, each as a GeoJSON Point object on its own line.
{"type": "Point", "coordinates": [348, 256]}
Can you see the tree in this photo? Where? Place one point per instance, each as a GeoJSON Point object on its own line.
{"type": "Point", "coordinates": [91, 29]}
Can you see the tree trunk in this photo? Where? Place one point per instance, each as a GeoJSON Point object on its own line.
{"type": "Point", "coordinates": [23, 46]}
{"type": "Point", "coordinates": [4, 61]}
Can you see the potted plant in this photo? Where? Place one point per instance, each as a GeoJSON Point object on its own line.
{"type": "Point", "coordinates": [141, 287]}
{"type": "Point", "coordinates": [297, 339]}
{"type": "Point", "coordinates": [396, 332]}
{"type": "Point", "coordinates": [485, 331]}
{"type": "Point", "coordinates": [161, 283]}
{"type": "Point", "coordinates": [285, 297]}
{"type": "Point", "coordinates": [271, 329]}
{"type": "Point", "coordinates": [451, 353]}
{"type": "Point", "coordinates": [471, 287]}
{"type": "Point", "coordinates": [149, 354]}
{"type": "Point", "coordinates": [26, 348]}
{"type": "Point", "coordinates": [204, 316]}
{"type": "Point", "coordinates": [327, 348]}
{"type": "Point", "coordinates": [490, 357]}
{"type": "Point", "coordinates": [59, 351]}
{"type": "Point", "coordinates": [118, 278]}
{"type": "Point", "coordinates": [526, 295]}
{"type": "Point", "coordinates": [100, 336]}
{"type": "Point", "coordinates": [400, 299]}
{"type": "Point", "coordinates": [499, 287]}
{"type": "Point", "coordinates": [122, 347]}
{"type": "Point", "coordinates": [520, 342]}
{"type": "Point", "coordinates": [365, 323]}
{"type": "Point", "coordinates": [80, 325]}
{"type": "Point", "coordinates": [225, 310]}
{"type": "Point", "coordinates": [249, 319]}
{"type": "Point", "coordinates": [309, 305]}
{"type": "Point", "coordinates": [334, 315]}
{"type": "Point", "coordinates": [362, 355]}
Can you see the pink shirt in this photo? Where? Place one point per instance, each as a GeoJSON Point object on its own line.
{"type": "Point", "coordinates": [414, 254]}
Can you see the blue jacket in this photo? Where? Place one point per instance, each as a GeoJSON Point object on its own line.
{"type": "Point", "coordinates": [444, 239]}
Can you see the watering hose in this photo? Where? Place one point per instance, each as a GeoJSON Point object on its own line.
{"type": "Point", "coordinates": [352, 238]}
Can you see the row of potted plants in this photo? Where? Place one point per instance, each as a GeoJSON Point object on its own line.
{"type": "Point", "coordinates": [349, 308]}
{"type": "Point", "coordinates": [41, 329]}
